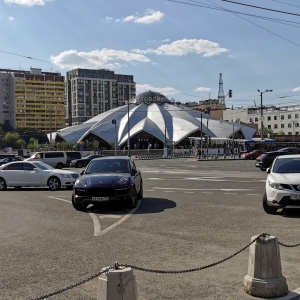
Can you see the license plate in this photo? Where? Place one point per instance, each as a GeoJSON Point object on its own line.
{"type": "Point", "coordinates": [100, 198]}
{"type": "Point", "coordinates": [295, 197]}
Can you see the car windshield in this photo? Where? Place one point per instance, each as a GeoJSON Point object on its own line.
{"type": "Point", "coordinates": [108, 166]}
{"type": "Point", "coordinates": [287, 165]}
{"type": "Point", "coordinates": [42, 166]}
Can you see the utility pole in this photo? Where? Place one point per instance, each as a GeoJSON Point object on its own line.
{"type": "Point", "coordinates": [261, 113]}
{"type": "Point", "coordinates": [128, 129]}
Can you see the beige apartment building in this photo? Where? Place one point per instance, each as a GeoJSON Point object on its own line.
{"type": "Point", "coordinates": [32, 99]}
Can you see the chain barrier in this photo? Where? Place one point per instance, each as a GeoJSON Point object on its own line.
{"type": "Point", "coordinates": [104, 270]}
{"type": "Point", "coordinates": [117, 266]}
{"type": "Point", "coordinates": [290, 246]}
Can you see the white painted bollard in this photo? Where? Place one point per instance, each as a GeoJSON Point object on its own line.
{"type": "Point", "coordinates": [117, 284]}
{"type": "Point", "coordinates": [264, 278]}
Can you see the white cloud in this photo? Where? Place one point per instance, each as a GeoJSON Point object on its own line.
{"type": "Point", "coordinates": [11, 18]}
{"type": "Point", "coordinates": [150, 17]}
{"type": "Point", "coordinates": [103, 58]}
{"type": "Point", "coordinates": [297, 89]}
{"type": "Point", "coordinates": [140, 88]}
{"type": "Point", "coordinates": [186, 46]}
{"type": "Point", "coordinates": [27, 2]}
{"type": "Point", "coordinates": [202, 89]}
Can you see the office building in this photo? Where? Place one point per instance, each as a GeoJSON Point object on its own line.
{"type": "Point", "coordinates": [89, 93]}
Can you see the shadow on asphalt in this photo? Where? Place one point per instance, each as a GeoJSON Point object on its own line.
{"type": "Point", "coordinates": [290, 213]}
{"type": "Point", "coordinates": [147, 206]}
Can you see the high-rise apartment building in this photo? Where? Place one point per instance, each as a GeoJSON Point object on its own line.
{"type": "Point", "coordinates": [92, 92]}
{"type": "Point", "coordinates": [32, 99]}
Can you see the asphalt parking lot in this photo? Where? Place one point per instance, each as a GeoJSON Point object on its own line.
{"type": "Point", "coordinates": [194, 213]}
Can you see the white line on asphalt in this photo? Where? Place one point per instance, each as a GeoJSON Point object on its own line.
{"type": "Point", "coordinates": [69, 201]}
{"type": "Point", "coordinates": [96, 221]}
{"type": "Point", "coordinates": [97, 225]}
{"type": "Point", "coordinates": [110, 216]}
{"type": "Point", "coordinates": [183, 189]}
{"type": "Point", "coordinates": [121, 220]}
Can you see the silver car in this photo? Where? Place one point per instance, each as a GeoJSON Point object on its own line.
{"type": "Point", "coordinates": [35, 173]}
{"type": "Point", "coordinates": [283, 184]}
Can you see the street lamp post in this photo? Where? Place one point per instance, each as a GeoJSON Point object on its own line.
{"type": "Point", "coordinates": [293, 129]}
{"type": "Point", "coordinates": [129, 154]}
{"type": "Point", "coordinates": [261, 113]}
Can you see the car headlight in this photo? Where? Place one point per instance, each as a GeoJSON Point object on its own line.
{"type": "Point", "coordinates": [275, 185]}
{"type": "Point", "coordinates": [123, 181]}
{"type": "Point", "coordinates": [81, 183]}
{"type": "Point", "coordinates": [65, 175]}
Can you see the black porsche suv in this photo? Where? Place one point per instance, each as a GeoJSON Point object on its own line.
{"type": "Point", "coordinates": [265, 160]}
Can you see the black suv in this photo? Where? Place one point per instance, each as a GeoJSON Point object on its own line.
{"type": "Point", "coordinates": [265, 160]}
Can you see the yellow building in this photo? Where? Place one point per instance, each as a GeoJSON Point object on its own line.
{"type": "Point", "coordinates": [39, 100]}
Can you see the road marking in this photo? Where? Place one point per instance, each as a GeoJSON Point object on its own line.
{"type": "Point", "coordinates": [120, 221]}
{"type": "Point", "coordinates": [96, 220]}
{"type": "Point", "coordinates": [69, 201]}
{"type": "Point", "coordinates": [183, 189]}
{"type": "Point", "coordinates": [110, 216]}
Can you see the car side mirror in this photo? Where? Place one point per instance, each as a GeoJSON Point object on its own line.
{"type": "Point", "coordinates": [134, 172]}
{"type": "Point", "coordinates": [268, 170]}
{"type": "Point", "coordinates": [82, 172]}
{"type": "Point", "coordinates": [35, 169]}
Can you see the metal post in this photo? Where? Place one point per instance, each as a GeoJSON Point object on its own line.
{"type": "Point", "coordinates": [233, 137]}
{"type": "Point", "coordinates": [129, 154]}
{"type": "Point", "coordinates": [201, 146]}
{"type": "Point", "coordinates": [207, 136]}
{"type": "Point", "coordinates": [261, 118]}
{"type": "Point", "coordinates": [116, 142]}
{"type": "Point", "coordinates": [261, 113]}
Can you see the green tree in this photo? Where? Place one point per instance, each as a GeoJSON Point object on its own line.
{"type": "Point", "coordinates": [33, 144]}
{"type": "Point", "coordinates": [12, 139]}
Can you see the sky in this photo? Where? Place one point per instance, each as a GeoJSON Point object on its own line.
{"type": "Point", "coordinates": [176, 47]}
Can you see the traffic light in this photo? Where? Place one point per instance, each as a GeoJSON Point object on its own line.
{"type": "Point", "coordinates": [230, 93]}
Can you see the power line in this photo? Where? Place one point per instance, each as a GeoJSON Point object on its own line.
{"type": "Point", "coordinates": [29, 57]}
{"type": "Point", "coordinates": [264, 8]}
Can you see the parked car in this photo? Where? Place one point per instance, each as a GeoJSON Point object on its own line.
{"type": "Point", "coordinates": [252, 155]}
{"type": "Point", "coordinates": [108, 179]}
{"type": "Point", "coordinates": [71, 155]}
{"type": "Point", "coordinates": [265, 160]}
{"type": "Point", "coordinates": [56, 159]}
{"type": "Point", "coordinates": [282, 184]}
{"type": "Point", "coordinates": [10, 159]}
{"type": "Point", "coordinates": [83, 162]}
{"type": "Point", "coordinates": [35, 173]}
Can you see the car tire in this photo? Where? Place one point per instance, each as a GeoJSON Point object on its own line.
{"type": "Point", "coordinates": [59, 165]}
{"type": "Point", "coordinates": [79, 165]}
{"type": "Point", "coordinates": [54, 183]}
{"type": "Point", "coordinates": [3, 185]}
{"type": "Point", "coordinates": [77, 206]}
{"type": "Point", "coordinates": [141, 192]}
{"type": "Point", "coordinates": [267, 208]}
{"type": "Point", "coordinates": [131, 202]}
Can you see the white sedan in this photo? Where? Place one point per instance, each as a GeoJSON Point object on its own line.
{"type": "Point", "coordinates": [283, 184]}
{"type": "Point", "coordinates": [35, 173]}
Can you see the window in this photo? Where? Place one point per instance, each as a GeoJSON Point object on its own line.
{"type": "Point", "coordinates": [275, 126]}
{"type": "Point", "coordinates": [289, 116]}
{"type": "Point", "coordinates": [282, 117]}
{"type": "Point", "coordinates": [269, 127]}
{"type": "Point", "coordinates": [256, 119]}
{"type": "Point", "coordinates": [269, 118]}
{"type": "Point", "coordinates": [28, 167]}
{"type": "Point", "coordinates": [275, 117]}
{"type": "Point", "coordinates": [289, 125]}
{"type": "Point", "coordinates": [282, 126]}
{"type": "Point", "coordinates": [296, 116]}
{"type": "Point", "coordinates": [16, 166]}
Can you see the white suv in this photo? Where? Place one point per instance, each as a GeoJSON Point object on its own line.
{"type": "Point", "coordinates": [56, 159]}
